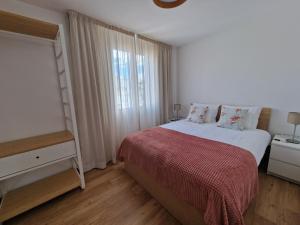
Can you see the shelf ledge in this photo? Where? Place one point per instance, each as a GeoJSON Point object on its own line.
{"type": "Point", "coordinates": [25, 25]}
{"type": "Point", "coordinates": [22, 199]}
{"type": "Point", "coordinates": [32, 143]}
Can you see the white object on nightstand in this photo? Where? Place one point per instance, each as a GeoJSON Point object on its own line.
{"type": "Point", "coordinates": [284, 159]}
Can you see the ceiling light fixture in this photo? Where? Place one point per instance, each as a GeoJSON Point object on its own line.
{"type": "Point", "coordinates": [167, 4]}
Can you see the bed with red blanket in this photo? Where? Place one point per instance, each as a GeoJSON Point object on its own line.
{"type": "Point", "coordinates": [200, 181]}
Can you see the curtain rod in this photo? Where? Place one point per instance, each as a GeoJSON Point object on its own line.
{"type": "Point", "coordinates": [111, 27]}
{"type": "Point", "coordinates": [102, 23]}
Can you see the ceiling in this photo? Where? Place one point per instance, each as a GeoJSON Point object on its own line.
{"type": "Point", "coordinates": [178, 26]}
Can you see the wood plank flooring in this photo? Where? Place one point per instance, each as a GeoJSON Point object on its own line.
{"type": "Point", "coordinates": [112, 197]}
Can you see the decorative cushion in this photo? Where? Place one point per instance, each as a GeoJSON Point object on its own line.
{"type": "Point", "coordinates": [233, 118]}
{"type": "Point", "coordinates": [212, 112]}
{"type": "Point", "coordinates": [197, 113]}
{"type": "Point", "coordinates": [252, 115]}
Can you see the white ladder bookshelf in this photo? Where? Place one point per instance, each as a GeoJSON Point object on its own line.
{"type": "Point", "coordinates": [65, 86]}
{"type": "Point", "coordinates": [32, 153]}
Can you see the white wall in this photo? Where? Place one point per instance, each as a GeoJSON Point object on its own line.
{"type": "Point", "coordinates": [256, 62]}
{"type": "Point", "coordinates": [29, 97]}
{"type": "Point", "coordinates": [29, 92]}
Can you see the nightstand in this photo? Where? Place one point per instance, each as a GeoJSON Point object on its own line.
{"type": "Point", "coordinates": [284, 159]}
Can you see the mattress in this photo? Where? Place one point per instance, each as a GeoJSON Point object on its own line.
{"type": "Point", "coordinates": [255, 141]}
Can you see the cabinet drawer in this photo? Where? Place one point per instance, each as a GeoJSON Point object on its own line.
{"type": "Point", "coordinates": [20, 162]}
{"type": "Point", "coordinates": [285, 154]}
{"type": "Point", "coordinates": [284, 170]}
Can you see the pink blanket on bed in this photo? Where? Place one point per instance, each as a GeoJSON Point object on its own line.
{"type": "Point", "coordinates": [218, 179]}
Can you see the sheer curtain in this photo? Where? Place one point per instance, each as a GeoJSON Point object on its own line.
{"type": "Point", "coordinates": [121, 85]}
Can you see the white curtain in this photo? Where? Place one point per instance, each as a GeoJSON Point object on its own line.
{"type": "Point", "coordinates": [119, 83]}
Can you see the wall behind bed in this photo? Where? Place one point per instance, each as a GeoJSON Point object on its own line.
{"type": "Point", "coordinates": [255, 62]}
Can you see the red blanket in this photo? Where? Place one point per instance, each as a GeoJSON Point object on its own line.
{"type": "Point", "coordinates": [218, 179]}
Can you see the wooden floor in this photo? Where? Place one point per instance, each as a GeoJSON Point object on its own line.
{"type": "Point", "coordinates": [112, 197]}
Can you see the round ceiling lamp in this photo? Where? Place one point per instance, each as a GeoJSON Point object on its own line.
{"type": "Point", "coordinates": [167, 4]}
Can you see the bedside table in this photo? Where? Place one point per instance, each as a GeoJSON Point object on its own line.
{"type": "Point", "coordinates": [284, 159]}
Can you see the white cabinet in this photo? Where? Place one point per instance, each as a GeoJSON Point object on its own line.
{"type": "Point", "coordinates": [24, 155]}
{"type": "Point", "coordinates": [284, 159]}
{"type": "Point", "coordinates": [40, 157]}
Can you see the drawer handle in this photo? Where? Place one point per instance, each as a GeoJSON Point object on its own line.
{"type": "Point", "coordinates": [37, 157]}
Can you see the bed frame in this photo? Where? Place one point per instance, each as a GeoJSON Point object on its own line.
{"type": "Point", "coordinates": [181, 210]}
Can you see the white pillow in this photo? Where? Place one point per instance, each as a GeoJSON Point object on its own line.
{"type": "Point", "coordinates": [212, 112]}
{"type": "Point", "coordinates": [197, 113]}
{"type": "Point", "coordinates": [233, 118]}
{"type": "Point", "coordinates": [252, 116]}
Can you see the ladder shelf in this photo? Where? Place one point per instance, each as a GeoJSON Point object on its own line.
{"type": "Point", "coordinates": [13, 153]}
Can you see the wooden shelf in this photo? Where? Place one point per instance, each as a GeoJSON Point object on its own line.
{"type": "Point", "coordinates": [32, 143]}
{"type": "Point", "coordinates": [24, 25]}
{"type": "Point", "coordinates": [32, 195]}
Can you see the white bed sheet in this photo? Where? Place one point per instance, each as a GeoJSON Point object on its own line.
{"type": "Point", "coordinates": [255, 141]}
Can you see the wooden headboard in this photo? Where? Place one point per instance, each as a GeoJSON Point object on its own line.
{"type": "Point", "coordinates": [263, 121]}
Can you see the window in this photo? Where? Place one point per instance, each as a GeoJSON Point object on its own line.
{"type": "Point", "coordinates": [121, 72]}
{"type": "Point", "coordinates": [140, 59]}
{"type": "Point", "coordinates": [124, 80]}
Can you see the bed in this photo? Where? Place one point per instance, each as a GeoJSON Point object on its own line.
{"type": "Point", "coordinates": [173, 163]}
